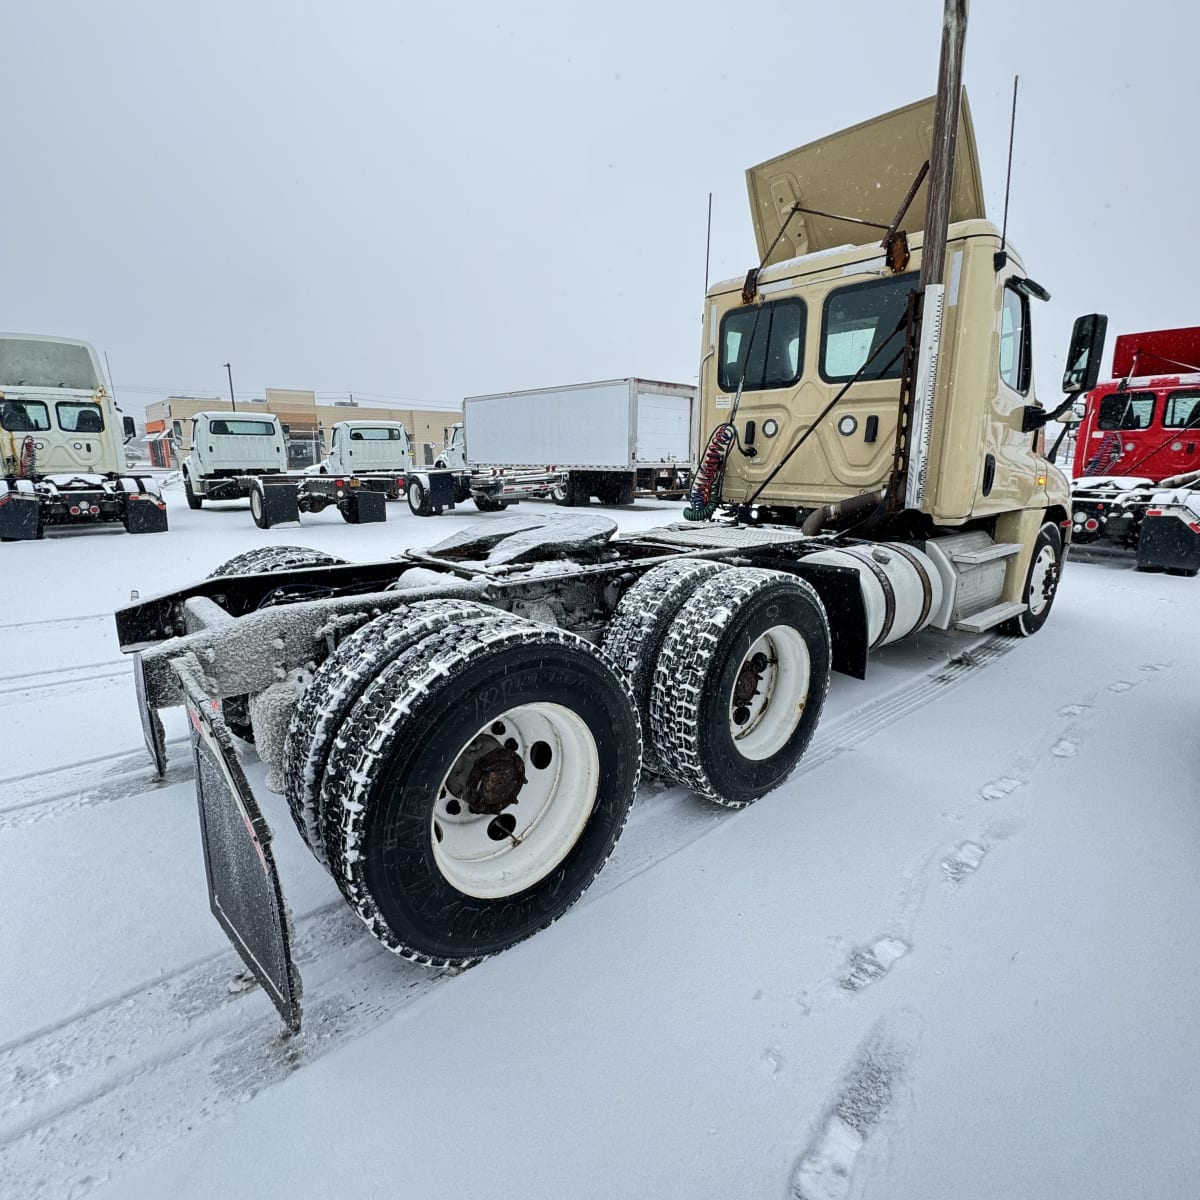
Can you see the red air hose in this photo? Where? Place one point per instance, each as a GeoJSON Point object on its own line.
{"type": "Point", "coordinates": [705, 496]}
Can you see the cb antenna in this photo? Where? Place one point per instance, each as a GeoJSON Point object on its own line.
{"type": "Point", "coordinates": [707, 243]}
{"type": "Point", "coordinates": [1001, 258]}
{"type": "Point", "coordinates": [112, 387]}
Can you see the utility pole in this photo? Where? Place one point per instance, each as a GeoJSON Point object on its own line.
{"type": "Point", "coordinates": [229, 372]}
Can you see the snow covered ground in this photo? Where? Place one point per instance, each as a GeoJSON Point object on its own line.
{"type": "Point", "coordinates": [954, 956]}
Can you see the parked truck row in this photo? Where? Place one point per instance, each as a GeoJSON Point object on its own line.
{"type": "Point", "coordinates": [614, 440]}
{"type": "Point", "coordinates": [460, 731]}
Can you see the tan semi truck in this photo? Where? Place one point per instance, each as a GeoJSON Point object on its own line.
{"type": "Point", "coordinates": [460, 731]}
{"type": "Point", "coordinates": [62, 439]}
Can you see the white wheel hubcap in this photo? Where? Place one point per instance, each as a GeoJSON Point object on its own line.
{"type": "Point", "coordinates": [778, 669]}
{"type": "Point", "coordinates": [1039, 591]}
{"type": "Point", "coordinates": [256, 502]}
{"type": "Point", "coordinates": [535, 772]}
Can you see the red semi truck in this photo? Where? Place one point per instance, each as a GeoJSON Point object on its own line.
{"type": "Point", "coordinates": [1137, 452]}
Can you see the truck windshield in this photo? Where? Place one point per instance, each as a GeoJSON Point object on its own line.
{"type": "Point", "coordinates": [1126, 410]}
{"type": "Point", "coordinates": [1183, 410]}
{"type": "Point", "coordinates": [761, 345]}
{"type": "Point", "coordinates": [376, 435]}
{"type": "Point", "coordinates": [858, 321]}
{"type": "Point", "coordinates": [24, 416]}
{"type": "Point", "coordinates": [30, 363]}
{"type": "Point", "coordinates": [227, 427]}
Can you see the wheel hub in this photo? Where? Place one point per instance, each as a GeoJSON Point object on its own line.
{"type": "Point", "coordinates": [749, 679]}
{"type": "Point", "coordinates": [495, 781]}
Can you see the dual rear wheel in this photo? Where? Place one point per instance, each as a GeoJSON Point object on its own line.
{"type": "Point", "coordinates": [464, 774]}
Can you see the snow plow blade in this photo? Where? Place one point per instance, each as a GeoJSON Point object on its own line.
{"type": "Point", "coordinates": [243, 883]}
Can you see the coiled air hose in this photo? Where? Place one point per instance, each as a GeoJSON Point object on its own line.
{"type": "Point", "coordinates": [28, 458]}
{"type": "Point", "coordinates": [705, 496]}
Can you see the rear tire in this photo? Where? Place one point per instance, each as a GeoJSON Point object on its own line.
{"type": "Point", "coordinates": [569, 492]}
{"type": "Point", "coordinates": [1041, 583]}
{"type": "Point", "coordinates": [257, 507]}
{"type": "Point", "coordinates": [193, 501]}
{"type": "Point", "coordinates": [418, 498]}
{"type": "Point", "coordinates": [635, 635]}
{"type": "Point", "coordinates": [483, 779]}
{"type": "Point", "coordinates": [489, 505]}
{"type": "Point", "coordinates": [266, 559]}
{"type": "Point", "coordinates": [335, 689]}
{"type": "Point", "coordinates": [740, 684]}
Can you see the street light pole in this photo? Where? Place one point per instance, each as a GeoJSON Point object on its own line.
{"type": "Point", "coordinates": [229, 372]}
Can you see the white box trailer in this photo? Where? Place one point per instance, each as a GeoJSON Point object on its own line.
{"type": "Point", "coordinates": [613, 439]}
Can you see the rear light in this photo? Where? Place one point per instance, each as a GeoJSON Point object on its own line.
{"type": "Point", "coordinates": [340, 483]}
{"type": "Point", "coordinates": [74, 510]}
{"type": "Point", "coordinates": [94, 509]}
{"type": "Point", "coordinates": [1194, 526]}
{"type": "Point", "coordinates": [1091, 524]}
{"type": "Point", "coordinates": [1154, 512]}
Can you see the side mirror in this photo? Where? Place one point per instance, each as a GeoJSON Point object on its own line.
{"type": "Point", "coordinates": [1083, 357]}
{"type": "Point", "coordinates": [129, 427]}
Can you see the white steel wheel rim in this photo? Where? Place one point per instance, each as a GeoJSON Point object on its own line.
{"type": "Point", "coordinates": [256, 503]}
{"type": "Point", "coordinates": [492, 856]}
{"type": "Point", "coordinates": [416, 495]}
{"type": "Point", "coordinates": [1040, 580]}
{"type": "Point", "coordinates": [762, 725]}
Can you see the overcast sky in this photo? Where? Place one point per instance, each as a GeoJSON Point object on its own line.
{"type": "Point", "coordinates": [426, 201]}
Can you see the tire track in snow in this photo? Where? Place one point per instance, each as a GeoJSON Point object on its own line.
{"type": "Point", "coordinates": [73, 680]}
{"type": "Point", "coordinates": [102, 1087]}
{"type": "Point", "coordinates": [104, 616]}
{"type": "Point", "coordinates": [125, 775]}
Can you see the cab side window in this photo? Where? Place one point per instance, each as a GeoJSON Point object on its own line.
{"type": "Point", "coordinates": [1126, 410]}
{"type": "Point", "coordinates": [1015, 342]}
{"type": "Point", "coordinates": [761, 346]}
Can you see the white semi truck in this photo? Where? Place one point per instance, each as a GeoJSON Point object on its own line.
{"type": "Point", "coordinates": [460, 731]}
{"type": "Point", "coordinates": [62, 438]}
{"type": "Point", "coordinates": [238, 455]}
{"type": "Point", "coordinates": [614, 440]}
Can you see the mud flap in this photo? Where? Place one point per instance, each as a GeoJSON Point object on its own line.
{"type": "Point", "coordinates": [280, 504]}
{"type": "Point", "coordinates": [362, 505]}
{"type": "Point", "coordinates": [20, 516]}
{"type": "Point", "coordinates": [152, 726]}
{"type": "Point", "coordinates": [144, 514]}
{"type": "Point", "coordinates": [243, 883]}
{"type": "Point", "coordinates": [1167, 542]}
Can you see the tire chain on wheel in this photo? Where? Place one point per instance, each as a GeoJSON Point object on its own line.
{"type": "Point", "coordinates": [636, 633]}
{"type": "Point", "coordinates": [683, 672]}
{"type": "Point", "coordinates": [394, 698]}
{"type": "Point", "coordinates": [275, 558]}
{"type": "Point", "coordinates": [335, 688]}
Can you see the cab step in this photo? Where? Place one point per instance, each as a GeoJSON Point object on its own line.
{"type": "Point", "coordinates": [990, 617]}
